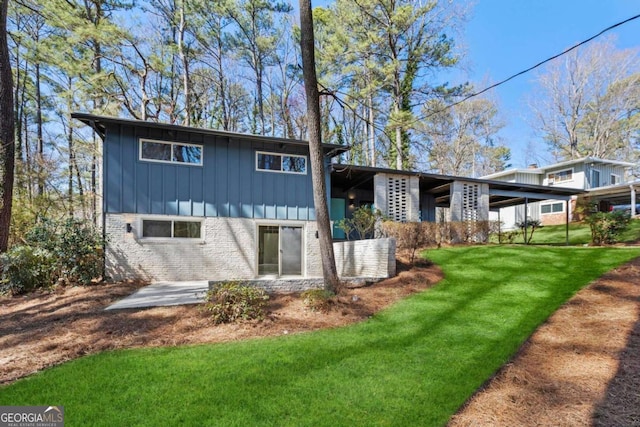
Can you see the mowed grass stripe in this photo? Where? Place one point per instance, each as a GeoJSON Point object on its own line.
{"type": "Point", "coordinates": [413, 364]}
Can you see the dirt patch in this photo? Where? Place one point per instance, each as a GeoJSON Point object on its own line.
{"type": "Point", "coordinates": [47, 328]}
{"type": "Point", "coordinates": [580, 368]}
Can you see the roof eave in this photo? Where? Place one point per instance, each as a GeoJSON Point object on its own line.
{"type": "Point", "coordinates": [98, 123]}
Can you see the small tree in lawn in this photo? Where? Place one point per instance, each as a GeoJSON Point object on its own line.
{"type": "Point", "coordinates": [528, 224]}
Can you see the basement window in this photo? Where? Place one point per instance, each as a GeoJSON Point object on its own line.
{"type": "Point", "coordinates": [552, 208]}
{"type": "Point", "coordinates": [171, 229]}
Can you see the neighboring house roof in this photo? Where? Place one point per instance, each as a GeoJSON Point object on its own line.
{"type": "Point", "coordinates": [501, 193]}
{"type": "Point", "coordinates": [615, 194]}
{"type": "Point", "coordinates": [542, 170]}
{"type": "Point", "coordinates": [98, 123]}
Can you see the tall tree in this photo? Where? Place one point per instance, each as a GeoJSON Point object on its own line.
{"type": "Point", "coordinates": [255, 40]}
{"type": "Point", "coordinates": [586, 100]}
{"type": "Point", "coordinates": [400, 44]}
{"type": "Point", "coordinates": [316, 155]}
{"type": "Point", "coordinates": [461, 140]}
{"type": "Point", "coordinates": [7, 131]}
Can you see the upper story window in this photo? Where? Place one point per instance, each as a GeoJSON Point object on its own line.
{"type": "Point", "coordinates": [615, 179]}
{"type": "Point", "coordinates": [170, 152]}
{"type": "Point", "coordinates": [171, 229]}
{"type": "Point", "coordinates": [275, 162]}
{"type": "Point", "coordinates": [560, 176]}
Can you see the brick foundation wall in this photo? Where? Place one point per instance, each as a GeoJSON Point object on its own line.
{"type": "Point", "coordinates": [228, 250]}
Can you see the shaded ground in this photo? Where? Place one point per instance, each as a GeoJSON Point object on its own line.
{"type": "Point", "coordinates": [48, 328]}
{"type": "Point", "coordinates": [581, 368]}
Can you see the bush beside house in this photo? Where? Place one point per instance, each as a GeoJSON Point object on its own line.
{"type": "Point", "coordinates": [69, 251]}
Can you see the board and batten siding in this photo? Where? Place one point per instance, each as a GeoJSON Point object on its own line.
{"type": "Point", "coordinates": [226, 185]}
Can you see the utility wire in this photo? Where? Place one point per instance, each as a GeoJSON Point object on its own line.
{"type": "Point", "coordinates": [528, 69]}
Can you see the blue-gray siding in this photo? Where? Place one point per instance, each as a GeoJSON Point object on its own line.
{"type": "Point", "coordinates": [226, 185]}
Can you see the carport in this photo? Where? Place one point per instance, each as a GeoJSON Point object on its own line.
{"type": "Point", "coordinates": [623, 194]}
{"type": "Point", "coordinates": [353, 186]}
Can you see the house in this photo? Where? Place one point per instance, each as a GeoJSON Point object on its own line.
{"type": "Point", "coordinates": [599, 179]}
{"type": "Point", "coordinates": [182, 203]}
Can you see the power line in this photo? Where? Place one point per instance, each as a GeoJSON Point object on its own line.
{"type": "Point", "coordinates": [528, 69]}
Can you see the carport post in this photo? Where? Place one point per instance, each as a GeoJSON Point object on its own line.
{"type": "Point", "coordinates": [526, 219]}
{"type": "Point", "coordinates": [633, 201]}
{"type": "Point", "coordinates": [566, 209]}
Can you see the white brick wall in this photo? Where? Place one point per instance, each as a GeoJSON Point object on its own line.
{"type": "Point", "coordinates": [374, 258]}
{"type": "Point", "coordinates": [228, 250]}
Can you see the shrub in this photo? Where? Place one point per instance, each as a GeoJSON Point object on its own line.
{"type": "Point", "coordinates": [230, 301]}
{"type": "Point", "coordinates": [363, 222]}
{"type": "Point", "coordinates": [411, 236]}
{"type": "Point", "coordinates": [317, 299]}
{"type": "Point", "coordinates": [606, 227]}
{"type": "Point", "coordinates": [69, 250]}
{"type": "Point", "coordinates": [76, 245]}
{"type": "Point", "coordinates": [25, 268]}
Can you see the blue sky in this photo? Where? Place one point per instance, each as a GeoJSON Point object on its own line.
{"type": "Point", "coordinates": [504, 37]}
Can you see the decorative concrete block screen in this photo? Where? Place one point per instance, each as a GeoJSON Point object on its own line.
{"type": "Point", "coordinates": [397, 198]}
{"type": "Point", "coordinates": [371, 258]}
{"type": "Point", "coordinates": [470, 204]}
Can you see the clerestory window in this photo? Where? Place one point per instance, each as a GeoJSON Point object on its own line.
{"type": "Point", "coordinates": [170, 152]}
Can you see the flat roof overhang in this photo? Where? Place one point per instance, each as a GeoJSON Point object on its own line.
{"type": "Point", "coordinates": [501, 194]}
{"type": "Point", "coordinates": [614, 194]}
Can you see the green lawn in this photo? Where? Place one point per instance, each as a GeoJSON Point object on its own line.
{"type": "Point", "coordinates": [411, 365]}
{"type": "Point", "coordinates": [579, 234]}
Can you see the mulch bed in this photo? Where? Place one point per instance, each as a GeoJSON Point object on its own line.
{"type": "Point", "coordinates": [581, 368]}
{"type": "Point", "coordinates": [44, 329]}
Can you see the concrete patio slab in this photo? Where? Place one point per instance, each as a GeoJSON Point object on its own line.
{"type": "Point", "coordinates": [164, 294]}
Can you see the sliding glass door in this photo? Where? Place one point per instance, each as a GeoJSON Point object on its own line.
{"type": "Point", "coordinates": [279, 250]}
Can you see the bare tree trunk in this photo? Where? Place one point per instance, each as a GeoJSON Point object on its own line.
{"type": "Point", "coordinates": [40, 141]}
{"type": "Point", "coordinates": [372, 131]}
{"type": "Point", "coordinates": [71, 164]}
{"type": "Point", "coordinates": [185, 66]}
{"type": "Point", "coordinates": [7, 131]}
{"type": "Point", "coordinates": [329, 271]}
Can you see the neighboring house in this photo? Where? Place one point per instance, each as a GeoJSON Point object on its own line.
{"type": "Point", "coordinates": [598, 178]}
{"type": "Point", "coordinates": [181, 203]}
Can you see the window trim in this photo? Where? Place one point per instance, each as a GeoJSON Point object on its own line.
{"type": "Point", "coordinates": [172, 219]}
{"type": "Point", "coordinates": [551, 204]}
{"type": "Point", "coordinates": [171, 143]}
{"type": "Point", "coordinates": [615, 177]}
{"type": "Point", "coordinates": [280, 223]}
{"type": "Point", "coordinates": [599, 172]}
{"type": "Point", "coordinates": [281, 155]}
{"type": "Point", "coordinates": [549, 182]}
